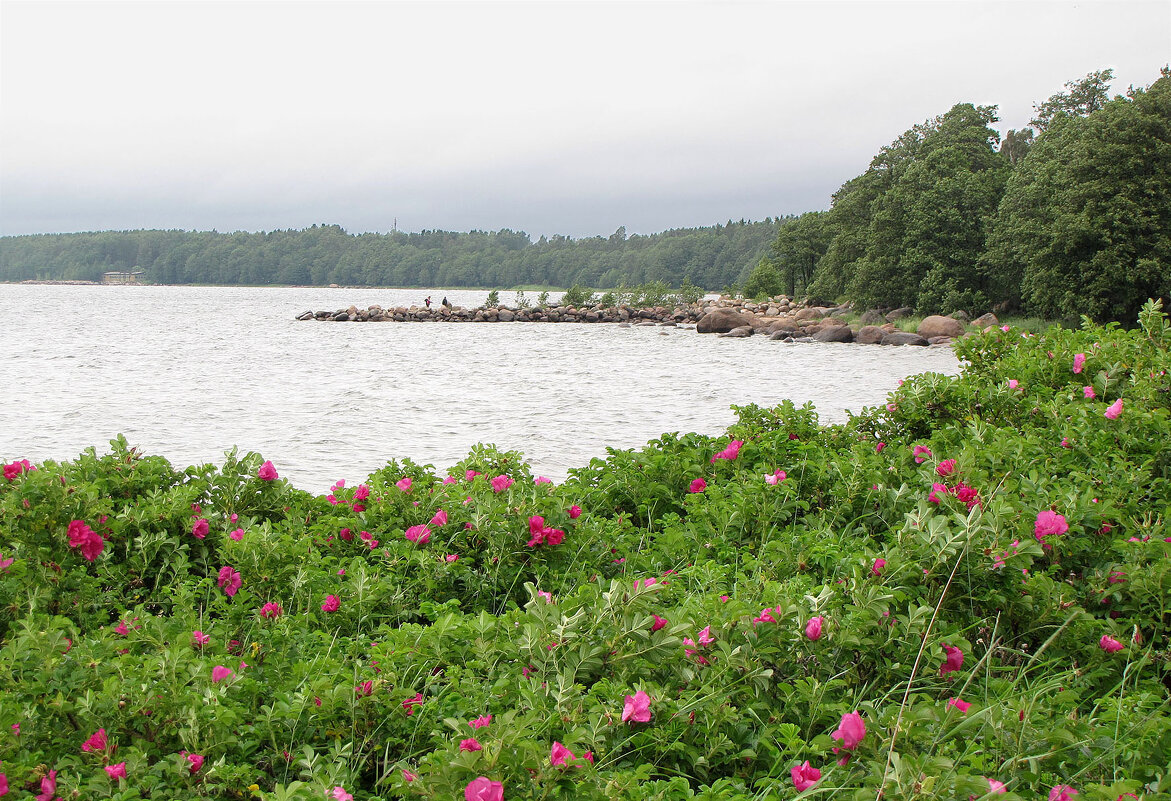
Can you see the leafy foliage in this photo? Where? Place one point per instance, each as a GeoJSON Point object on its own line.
{"type": "Point", "coordinates": [1064, 636]}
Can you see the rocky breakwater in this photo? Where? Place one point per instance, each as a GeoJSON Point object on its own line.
{"type": "Point", "coordinates": [686, 314]}
{"type": "Point", "coordinates": [782, 319]}
{"type": "Point", "coordinates": [779, 318]}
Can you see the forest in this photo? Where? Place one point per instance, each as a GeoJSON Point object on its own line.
{"type": "Point", "coordinates": [327, 254]}
{"type": "Point", "coordinates": [1069, 216]}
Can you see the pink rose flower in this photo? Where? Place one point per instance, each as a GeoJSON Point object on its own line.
{"type": "Point", "coordinates": [1079, 361]}
{"type": "Point", "coordinates": [404, 484]}
{"type": "Point", "coordinates": [804, 776]}
{"type": "Point", "coordinates": [959, 704]}
{"type": "Point", "coordinates": [559, 755]}
{"type": "Point", "coordinates": [470, 744]}
{"type": "Point", "coordinates": [637, 708]}
{"type": "Point", "coordinates": [953, 661]}
{"type": "Point", "coordinates": [332, 604]}
{"type": "Point", "coordinates": [500, 483]}
{"type": "Point", "coordinates": [440, 519]}
{"type": "Point", "coordinates": [96, 742]}
{"type": "Point", "coordinates": [1088, 393]}
{"type": "Point", "coordinates": [271, 610]}
{"type": "Point", "coordinates": [878, 566]}
{"type": "Point", "coordinates": [267, 472]}
{"type": "Point", "coordinates": [194, 761]}
{"type": "Point", "coordinates": [483, 789]}
{"type": "Point", "coordinates": [237, 535]}
{"type": "Point", "coordinates": [1062, 792]}
{"type": "Point", "coordinates": [730, 452]}
{"type": "Point", "coordinates": [85, 539]}
{"type": "Point", "coordinates": [1049, 523]}
{"type": "Point", "coordinates": [480, 722]}
{"type": "Point", "coordinates": [698, 485]}
{"type": "Point", "coordinates": [200, 528]}
{"type": "Point", "coordinates": [659, 623]}
{"type": "Point", "coordinates": [199, 639]}
{"type": "Point", "coordinates": [813, 628]}
{"type": "Point", "coordinates": [921, 453]}
{"type": "Point", "coordinates": [946, 467]}
{"type": "Point", "coordinates": [1109, 644]}
{"type": "Point", "coordinates": [574, 512]}
{"type": "Point", "coordinates": [219, 673]}
{"type": "Point", "coordinates": [116, 771]}
{"type": "Point", "coordinates": [229, 581]}
{"type": "Point", "coordinates": [851, 731]}
{"type": "Point", "coordinates": [1115, 410]}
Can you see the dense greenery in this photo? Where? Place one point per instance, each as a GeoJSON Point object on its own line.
{"type": "Point", "coordinates": [968, 586]}
{"type": "Point", "coordinates": [1072, 218]}
{"type": "Point", "coordinates": [709, 257]}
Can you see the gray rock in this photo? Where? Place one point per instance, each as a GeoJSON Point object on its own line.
{"type": "Point", "coordinates": [960, 315]}
{"type": "Point", "coordinates": [505, 316]}
{"type": "Point", "coordinates": [870, 335]}
{"type": "Point", "coordinates": [938, 326]}
{"type": "Point", "coordinates": [837, 333]}
{"type": "Point", "coordinates": [940, 340]}
{"type": "Point", "coordinates": [721, 321]}
{"type": "Point", "coordinates": [985, 320]}
{"type": "Point", "coordinates": [871, 317]}
{"type": "Point", "coordinates": [903, 338]}
{"type": "Point", "coordinates": [742, 331]}
{"type": "Point", "coordinates": [809, 314]}
{"type": "Point", "coordinates": [305, 315]}
{"type": "Point", "coordinates": [899, 314]}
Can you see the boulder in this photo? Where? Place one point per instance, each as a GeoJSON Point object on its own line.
{"type": "Point", "coordinates": [721, 321]}
{"type": "Point", "coordinates": [505, 316]}
{"type": "Point", "coordinates": [899, 314]}
{"type": "Point", "coordinates": [871, 317]}
{"type": "Point", "coordinates": [305, 315]}
{"type": "Point", "coordinates": [939, 326]}
{"type": "Point", "coordinates": [961, 315]}
{"type": "Point", "coordinates": [784, 336]}
{"type": "Point", "coordinates": [985, 320]}
{"type": "Point", "coordinates": [809, 314]}
{"type": "Point", "coordinates": [783, 325]}
{"type": "Point", "coordinates": [939, 340]}
{"type": "Point", "coordinates": [903, 338]}
{"type": "Point", "coordinates": [836, 333]}
{"type": "Point", "coordinates": [742, 331]}
{"type": "Point", "coordinates": [870, 335]}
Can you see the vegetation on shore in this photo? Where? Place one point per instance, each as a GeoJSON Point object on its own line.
{"type": "Point", "coordinates": [1068, 217]}
{"type": "Point", "coordinates": [963, 593]}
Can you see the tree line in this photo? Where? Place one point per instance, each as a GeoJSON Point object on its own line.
{"type": "Point", "coordinates": [1069, 216]}
{"type": "Point", "coordinates": [326, 254]}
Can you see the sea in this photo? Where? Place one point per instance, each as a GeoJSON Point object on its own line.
{"type": "Point", "coordinates": [190, 372]}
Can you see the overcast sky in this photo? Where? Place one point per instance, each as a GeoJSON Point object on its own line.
{"type": "Point", "coordinates": [548, 117]}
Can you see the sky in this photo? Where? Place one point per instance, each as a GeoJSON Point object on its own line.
{"type": "Point", "coordinates": [550, 117]}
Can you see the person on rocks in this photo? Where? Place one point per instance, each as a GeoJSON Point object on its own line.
{"type": "Point", "coordinates": [445, 303]}
{"type": "Point", "coordinates": [427, 301]}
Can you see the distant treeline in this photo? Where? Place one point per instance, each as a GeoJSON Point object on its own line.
{"type": "Point", "coordinates": [710, 257]}
{"type": "Point", "coordinates": [1070, 216]}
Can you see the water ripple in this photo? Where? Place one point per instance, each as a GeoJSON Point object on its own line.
{"type": "Point", "coordinates": [188, 372]}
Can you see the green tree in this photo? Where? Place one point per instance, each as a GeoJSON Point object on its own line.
{"type": "Point", "coordinates": [1085, 223]}
{"type": "Point", "coordinates": [927, 231]}
{"type": "Point", "coordinates": [1081, 99]}
{"type": "Point", "coordinates": [764, 280]}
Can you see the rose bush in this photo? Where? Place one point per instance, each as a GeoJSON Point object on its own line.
{"type": "Point", "coordinates": [824, 616]}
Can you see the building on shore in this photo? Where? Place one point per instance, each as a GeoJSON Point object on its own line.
{"type": "Point", "coordinates": [122, 276]}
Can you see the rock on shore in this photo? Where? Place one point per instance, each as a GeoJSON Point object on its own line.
{"type": "Point", "coordinates": [779, 318]}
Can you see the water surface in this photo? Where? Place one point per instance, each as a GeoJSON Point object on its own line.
{"type": "Point", "coordinates": [189, 372]}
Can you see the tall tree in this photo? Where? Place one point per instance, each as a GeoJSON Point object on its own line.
{"type": "Point", "coordinates": [1080, 99]}
{"type": "Point", "coordinates": [1085, 223]}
